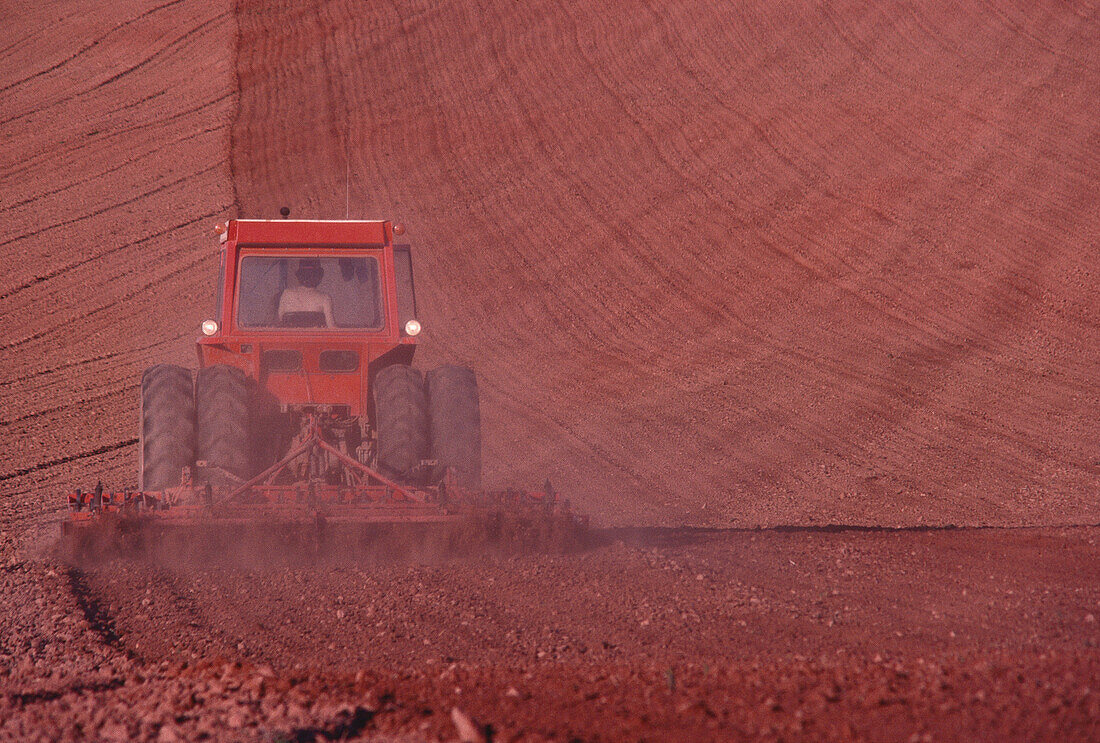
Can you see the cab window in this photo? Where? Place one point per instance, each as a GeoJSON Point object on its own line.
{"type": "Point", "coordinates": [309, 292]}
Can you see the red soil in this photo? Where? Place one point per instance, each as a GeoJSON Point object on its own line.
{"type": "Point", "coordinates": [715, 264]}
{"type": "Point", "coordinates": [726, 263]}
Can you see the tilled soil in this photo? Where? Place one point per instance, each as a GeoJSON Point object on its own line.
{"type": "Point", "coordinates": [644, 635]}
{"type": "Point", "coordinates": [752, 263]}
{"type": "Point", "coordinates": [718, 264]}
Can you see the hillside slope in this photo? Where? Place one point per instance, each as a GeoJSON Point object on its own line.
{"type": "Point", "coordinates": [113, 167]}
{"type": "Point", "coordinates": [725, 263]}
{"type": "Point", "coordinates": [751, 265]}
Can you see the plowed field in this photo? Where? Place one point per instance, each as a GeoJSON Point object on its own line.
{"type": "Point", "coordinates": [731, 275]}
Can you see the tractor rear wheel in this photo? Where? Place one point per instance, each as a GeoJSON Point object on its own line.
{"type": "Point", "coordinates": [455, 416]}
{"type": "Point", "coordinates": [401, 422]}
{"type": "Point", "coordinates": [222, 424]}
{"type": "Point", "coordinates": [167, 435]}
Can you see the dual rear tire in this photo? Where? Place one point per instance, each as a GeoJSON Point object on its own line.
{"type": "Point", "coordinates": [222, 425]}
{"type": "Point", "coordinates": [184, 422]}
{"type": "Point", "coordinates": [436, 418]}
{"type": "Point", "coordinates": [167, 426]}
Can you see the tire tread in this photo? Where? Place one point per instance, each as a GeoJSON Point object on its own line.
{"type": "Point", "coordinates": [222, 422]}
{"type": "Point", "coordinates": [401, 421]}
{"type": "Point", "coordinates": [167, 426]}
{"type": "Point", "coordinates": [455, 423]}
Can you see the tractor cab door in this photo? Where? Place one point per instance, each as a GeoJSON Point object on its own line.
{"type": "Point", "coordinates": [406, 289]}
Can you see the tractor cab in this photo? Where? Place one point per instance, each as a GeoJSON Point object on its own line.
{"type": "Point", "coordinates": [311, 309]}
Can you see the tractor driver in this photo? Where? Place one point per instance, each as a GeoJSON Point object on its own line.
{"type": "Point", "coordinates": [306, 299]}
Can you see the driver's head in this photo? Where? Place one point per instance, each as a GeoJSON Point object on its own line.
{"type": "Point", "coordinates": [309, 272]}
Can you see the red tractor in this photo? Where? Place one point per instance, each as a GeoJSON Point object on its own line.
{"type": "Point", "coordinates": [305, 406]}
{"type": "Point", "coordinates": [314, 331]}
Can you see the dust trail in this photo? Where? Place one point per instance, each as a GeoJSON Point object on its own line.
{"type": "Point", "coordinates": [267, 544]}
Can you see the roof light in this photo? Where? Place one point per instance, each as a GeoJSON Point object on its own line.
{"type": "Point", "coordinates": [398, 228]}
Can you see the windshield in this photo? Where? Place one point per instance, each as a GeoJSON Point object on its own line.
{"type": "Point", "coordinates": [309, 292]}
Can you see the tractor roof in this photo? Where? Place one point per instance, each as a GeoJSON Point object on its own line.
{"type": "Point", "coordinates": [270, 232]}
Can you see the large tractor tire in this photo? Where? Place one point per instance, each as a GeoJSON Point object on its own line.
{"type": "Point", "coordinates": [222, 425]}
{"type": "Point", "coordinates": [455, 416]}
{"type": "Point", "coordinates": [401, 423]}
{"type": "Point", "coordinates": [167, 440]}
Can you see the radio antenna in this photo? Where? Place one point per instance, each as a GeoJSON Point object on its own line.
{"type": "Point", "coordinates": [347, 174]}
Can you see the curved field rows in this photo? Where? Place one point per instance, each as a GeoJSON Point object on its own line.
{"type": "Point", "coordinates": [763, 264]}
{"type": "Point", "coordinates": [715, 263]}
{"type": "Point", "coordinates": [725, 263]}
{"type": "Point", "coordinates": [113, 165]}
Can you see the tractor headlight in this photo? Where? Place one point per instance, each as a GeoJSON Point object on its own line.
{"type": "Point", "coordinates": [209, 327]}
{"type": "Point", "coordinates": [412, 327]}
